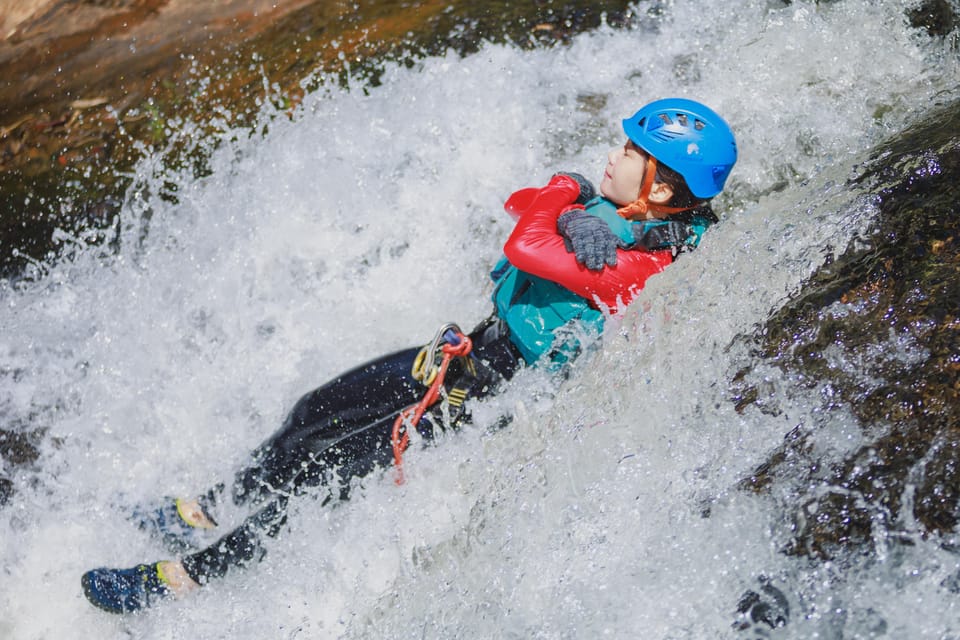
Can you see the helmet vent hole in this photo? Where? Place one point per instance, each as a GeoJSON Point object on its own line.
{"type": "Point", "coordinates": [682, 119]}
{"type": "Point", "coordinates": [666, 119]}
{"type": "Point", "coordinates": [699, 125]}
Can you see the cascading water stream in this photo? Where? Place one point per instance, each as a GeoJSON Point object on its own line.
{"type": "Point", "coordinates": [371, 217]}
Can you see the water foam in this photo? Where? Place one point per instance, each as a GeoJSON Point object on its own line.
{"type": "Point", "coordinates": [370, 218]}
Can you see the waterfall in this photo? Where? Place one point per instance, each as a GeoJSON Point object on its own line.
{"type": "Point", "coordinates": [152, 366]}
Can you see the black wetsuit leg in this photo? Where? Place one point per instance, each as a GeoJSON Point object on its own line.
{"type": "Point", "coordinates": [240, 546]}
{"type": "Point", "coordinates": [338, 427]}
{"type": "Point", "coordinates": [344, 427]}
{"type": "Point", "coordinates": [328, 427]}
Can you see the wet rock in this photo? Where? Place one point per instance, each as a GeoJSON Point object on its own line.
{"type": "Point", "coordinates": [758, 612]}
{"type": "Point", "coordinates": [888, 311]}
{"type": "Point", "coordinates": [6, 490]}
{"type": "Point", "coordinates": [18, 449]}
{"type": "Point", "coordinates": [831, 525]}
{"type": "Point", "coordinates": [937, 502]}
{"type": "Point", "coordinates": [937, 17]}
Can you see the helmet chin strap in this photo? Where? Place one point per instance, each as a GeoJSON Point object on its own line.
{"type": "Point", "coordinates": [642, 205]}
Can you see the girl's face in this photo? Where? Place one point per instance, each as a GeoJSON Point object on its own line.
{"type": "Point", "coordinates": [623, 176]}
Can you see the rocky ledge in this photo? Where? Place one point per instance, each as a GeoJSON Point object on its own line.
{"type": "Point", "coordinates": [877, 334]}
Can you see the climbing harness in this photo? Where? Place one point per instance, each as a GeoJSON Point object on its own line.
{"type": "Point", "coordinates": [430, 368]}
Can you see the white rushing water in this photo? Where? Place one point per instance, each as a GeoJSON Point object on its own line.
{"type": "Point", "coordinates": [372, 217]}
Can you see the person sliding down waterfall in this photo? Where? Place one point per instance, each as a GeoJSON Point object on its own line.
{"type": "Point", "coordinates": [572, 257]}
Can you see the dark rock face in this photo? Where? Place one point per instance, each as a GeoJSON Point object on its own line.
{"type": "Point", "coordinates": [18, 449]}
{"type": "Point", "coordinates": [878, 332]}
{"type": "Point", "coordinates": [937, 17]}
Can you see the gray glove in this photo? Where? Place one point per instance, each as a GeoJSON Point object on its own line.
{"type": "Point", "coordinates": [590, 239]}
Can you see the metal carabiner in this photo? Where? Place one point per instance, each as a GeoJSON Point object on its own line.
{"type": "Point", "coordinates": [427, 363]}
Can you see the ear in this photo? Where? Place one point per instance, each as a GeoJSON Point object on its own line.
{"type": "Point", "coordinates": [660, 193]}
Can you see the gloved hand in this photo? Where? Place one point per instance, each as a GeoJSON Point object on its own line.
{"type": "Point", "coordinates": [589, 238]}
{"type": "Point", "coordinates": [587, 191]}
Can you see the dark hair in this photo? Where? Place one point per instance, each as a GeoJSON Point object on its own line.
{"type": "Point", "coordinates": [682, 196]}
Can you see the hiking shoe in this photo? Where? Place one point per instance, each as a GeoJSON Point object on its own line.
{"type": "Point", "coordinates": [167, 523]}
{"type": "Point", "coordinates": [125, 590]}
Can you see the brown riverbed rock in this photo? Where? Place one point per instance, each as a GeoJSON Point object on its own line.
{"type": "Point", "coordinates": [889, 310]}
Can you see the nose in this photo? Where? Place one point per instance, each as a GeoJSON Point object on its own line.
{"type": "Point", "coordinates": [614, 154]}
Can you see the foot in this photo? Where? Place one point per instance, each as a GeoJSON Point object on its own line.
{"type": "Point", "coordinates": [126, 590]}
{"type": "Point", "coordinates": [179, 524]}
{"type": "Point", "coordinates": [193, 514]}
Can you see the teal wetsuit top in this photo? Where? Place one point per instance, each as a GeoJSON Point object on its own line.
{"type": "Point", "coordinates": [550, 303]}
{"type": "Point", "coordinates": [544, 316]}
{"type": "Point", "coordinates": [540, 313]}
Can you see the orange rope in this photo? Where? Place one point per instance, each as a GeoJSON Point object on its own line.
{"type": "Point", "coordinates": [410, 417]}
{"type": "Point", "coordinates": [642, 204]}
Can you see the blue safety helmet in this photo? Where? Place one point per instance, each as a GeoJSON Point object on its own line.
{"type": "Point", "coordinates": [689, 138]}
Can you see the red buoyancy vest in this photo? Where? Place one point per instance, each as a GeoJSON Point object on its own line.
{"type": "Point", "coordinates": [536, 247]}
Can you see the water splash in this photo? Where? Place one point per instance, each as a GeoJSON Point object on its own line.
{"type": "Point", "coordinates": [369, 219]}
